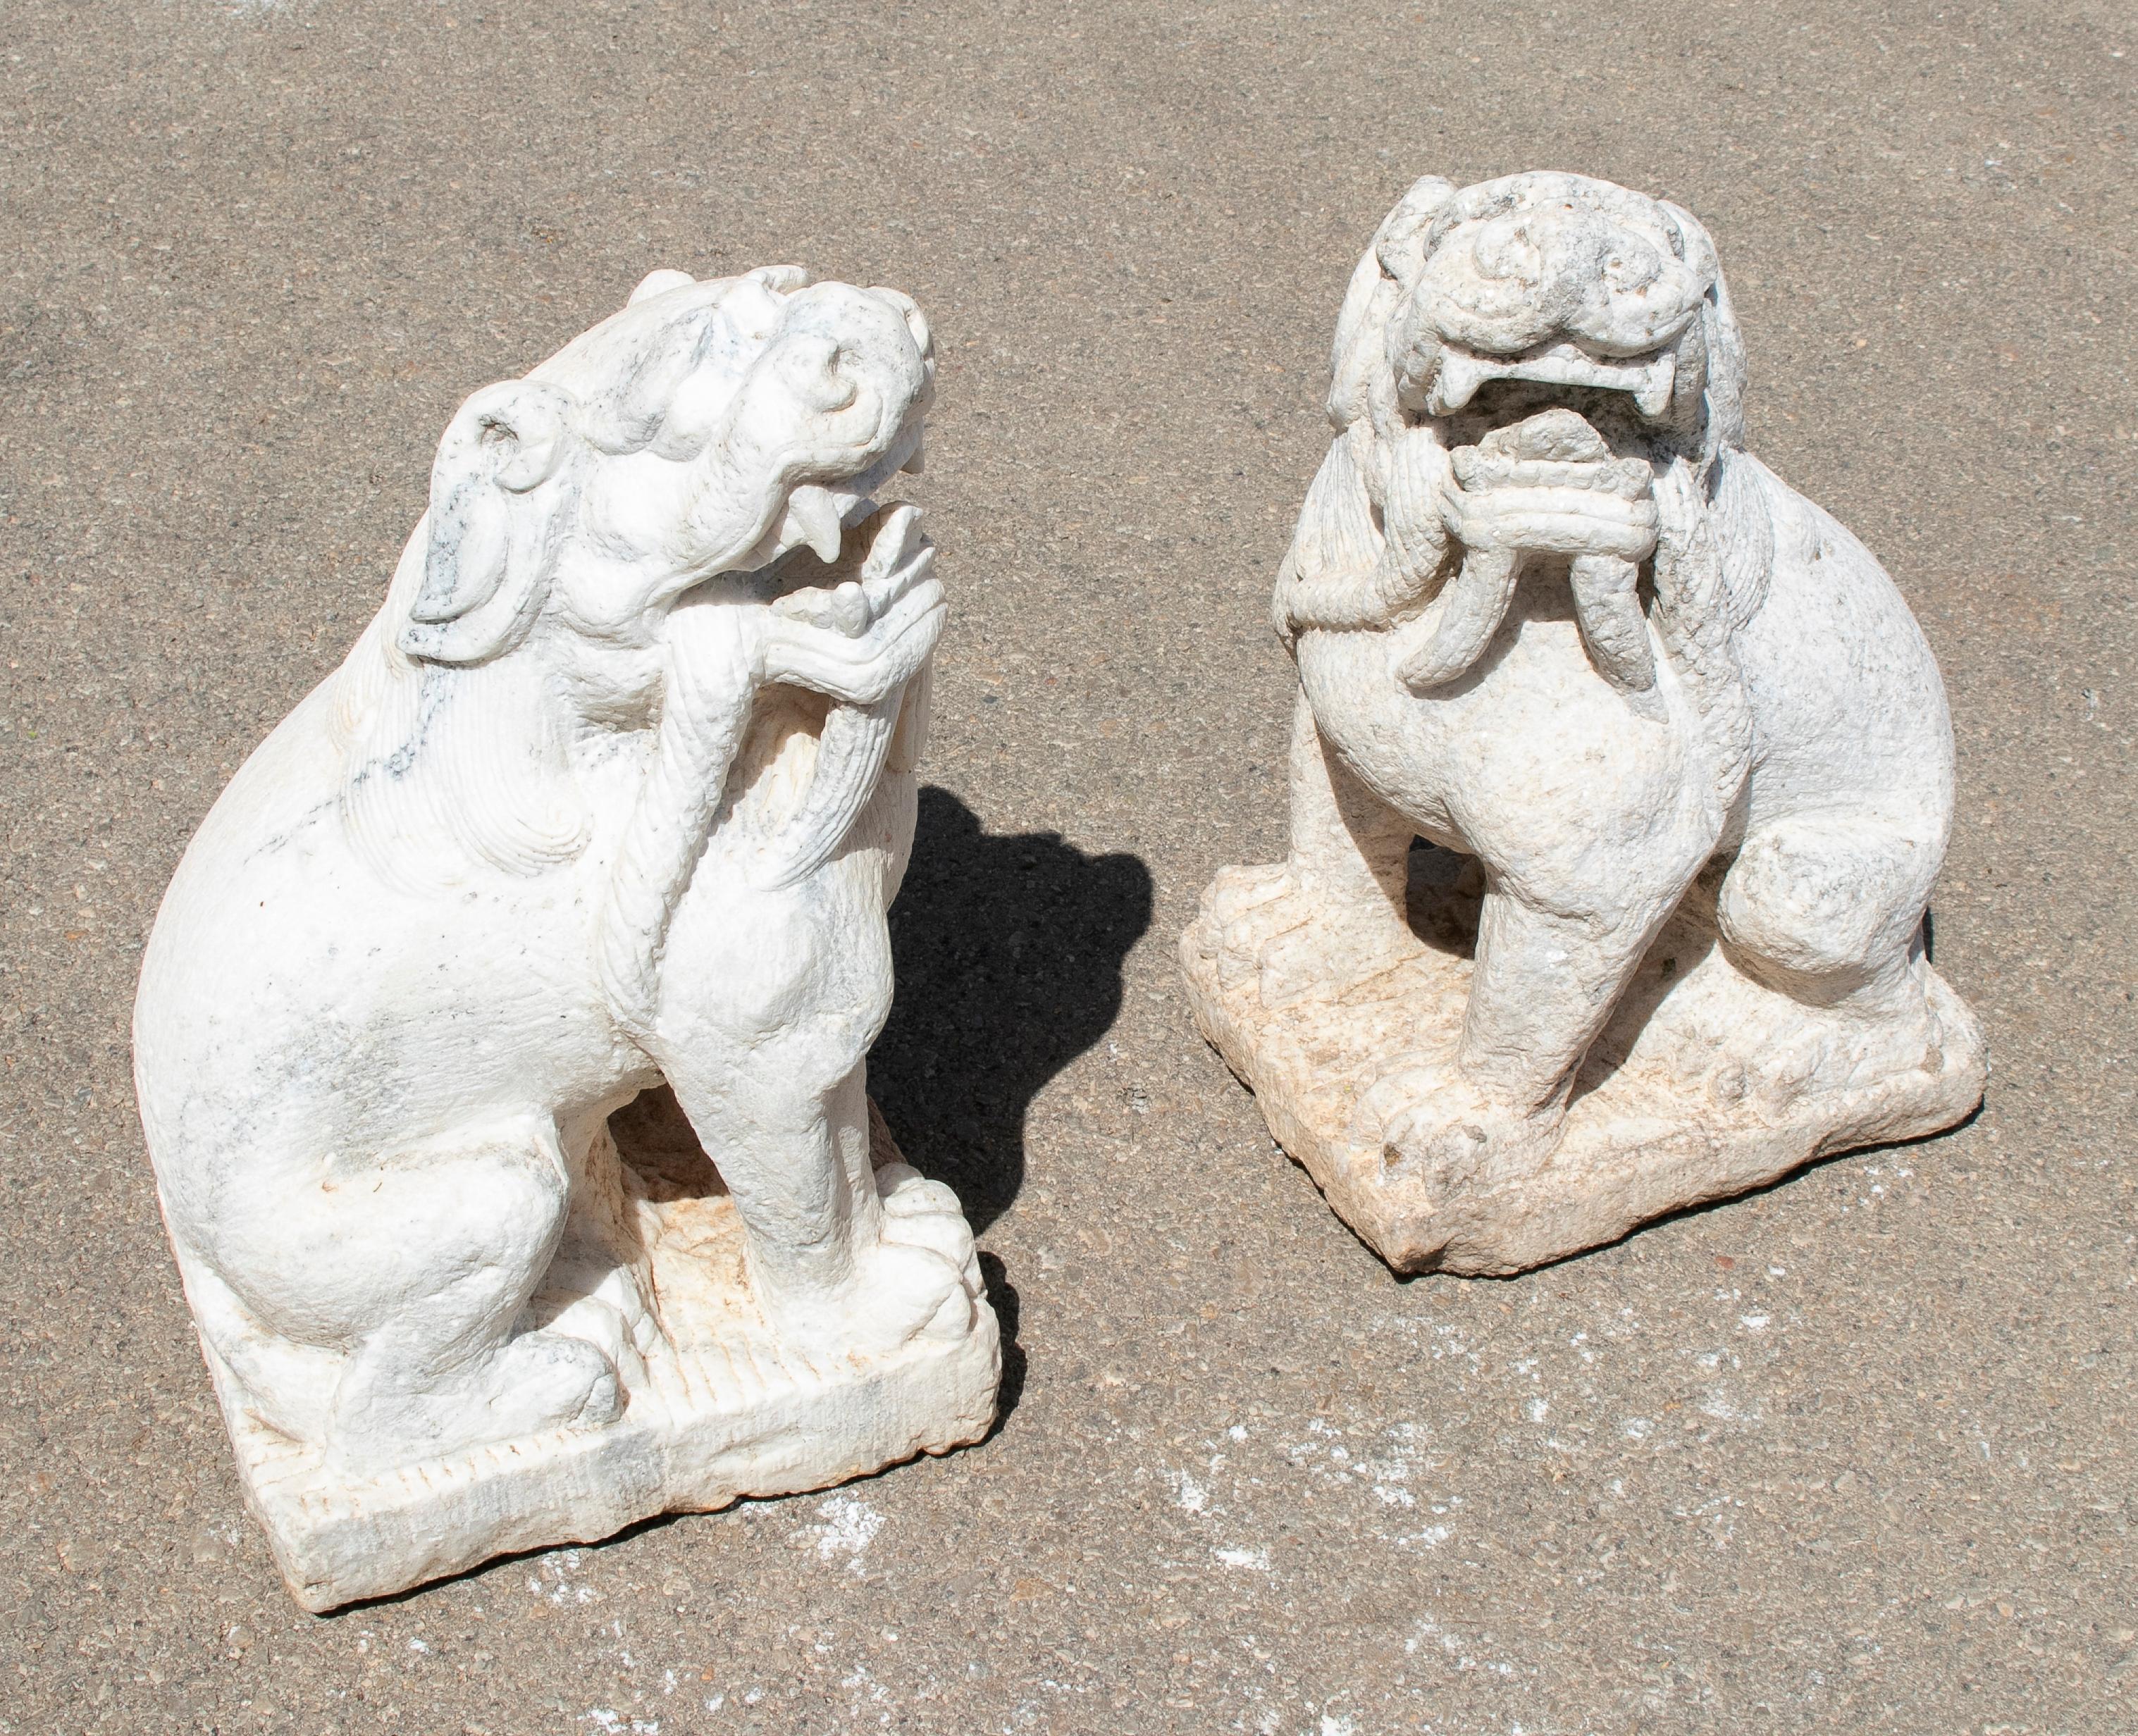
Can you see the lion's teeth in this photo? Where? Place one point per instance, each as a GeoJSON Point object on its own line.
{"type": "Point", "coordinates": [1653, 394]}
{"type": "Point", "coordinates": [1457, 381]}
{"type": "Point", "coordinates": [896, 535]}
{"type": "Point", "coordinates": [812, 520]}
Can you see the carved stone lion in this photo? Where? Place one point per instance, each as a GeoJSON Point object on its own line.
{"type": "Point", "coordinates": [614, 791]}
{"type": "Point", "coordinates": [1652, 708]}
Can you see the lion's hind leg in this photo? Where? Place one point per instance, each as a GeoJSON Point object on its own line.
{"type": "Point", "coordinates": [1826, 905]}
{"type": "Point", "coordinates": [420, 1262]}
{"type": "Point", "coordinates": [1826, 908]}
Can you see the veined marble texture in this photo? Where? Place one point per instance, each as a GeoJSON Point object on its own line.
{"type": "Point", "coordinates": [599, 819]}
{"type": "Point", "coordinates": [1621, 773]}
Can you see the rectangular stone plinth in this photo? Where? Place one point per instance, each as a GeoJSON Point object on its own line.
{"type": "Point", "coordinates": [720, 1412]}
{"type": "Point", "coordinates": [1704, 1085]}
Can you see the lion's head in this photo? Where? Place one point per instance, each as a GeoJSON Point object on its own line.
{"type": "Point", "coordinates": [726, 433]}
{"type": "Point", "coordinates": [708, 428]}
{"type": "Point", "coordinates": [1477, 308]}
{"type": "Point", "coordinates": [1544, 327]}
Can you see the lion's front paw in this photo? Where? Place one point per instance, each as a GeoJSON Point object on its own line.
{"type": "Point", "coordinates": [923, 1279]}
{"type": "Point", "coordinates": [1438, 1130]}
{"type": "Point", "coordinates": [926, 1214]}
{"type": "Point", "coordinates": [920, 1280]}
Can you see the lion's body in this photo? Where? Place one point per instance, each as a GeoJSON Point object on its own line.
{"type": "Point", "coordinates": [1547, 613]}
{"type": "Point", "coordinates": [527, 853]}
{"type": "Point", "coordinates": [1535, 763]}
{"type": "Point", "coordinates": [465, 990]}
{"type": "Point", "coordinates": [453, 1000]}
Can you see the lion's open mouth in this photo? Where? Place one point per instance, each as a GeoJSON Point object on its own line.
{"type": "Point", "coordinates": [867, 573]}
{"type": "Point", "coordinates": [827, 524]}
{"type": "Point", "coordinates": [1649, 380]}
{"type": "Point", "coordinates": [881, 555]}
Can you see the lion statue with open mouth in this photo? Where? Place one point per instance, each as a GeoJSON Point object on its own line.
{"type": "Point", "coordinates": [1678, 753]}
{"type": "Point", "coordinates": [611, 797]}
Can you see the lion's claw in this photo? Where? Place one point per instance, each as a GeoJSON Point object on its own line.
{"type": "Point", "coordinates": [1438, 1128]}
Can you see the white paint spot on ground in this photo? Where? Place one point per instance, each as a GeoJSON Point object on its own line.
{"type": "Point", "coordinates": [1255, 1561]}
{"type": "Point", "coordinates": [1718, 1405]}
{"type": "Point", "coordinates": [558, 1568]}
{"type": "Point", "coordinates": [862, 1682]}
{"type": "Point", "coordinates": [1193, 1495]}
{"type": "Point", "coordinates": [611, 1723]}
{"type": "Point", "coordinates": [850, 1525]}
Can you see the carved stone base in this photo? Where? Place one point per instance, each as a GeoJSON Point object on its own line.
{"type": "Point", "coordinates": [718, 1412]}
{"type": "Point", "coordinates": [1704, 1085]}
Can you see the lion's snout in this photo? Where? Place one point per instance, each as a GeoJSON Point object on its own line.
{"type": "Point", "coordinates": [860, 359]}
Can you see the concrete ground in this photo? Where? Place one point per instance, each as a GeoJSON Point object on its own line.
{"type": "Point", "coordinates": [1853, 1454]}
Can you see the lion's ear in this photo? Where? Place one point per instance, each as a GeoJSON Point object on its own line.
{"type": "Point", "coordinates": [1724, 386]}
{"type": "Point", "coordinates": [482, 566]}
{"type": "Point", "coordinates": [1385, 270]}
{"type": "Point", "coordinates": [1399, 244]}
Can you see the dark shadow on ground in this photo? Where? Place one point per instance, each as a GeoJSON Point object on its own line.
{"type": "Point", "coordinates": [1008, 951]}
{"type": "Point", "coordinates": [1003, 1297]}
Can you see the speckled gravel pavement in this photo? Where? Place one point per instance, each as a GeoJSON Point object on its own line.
{"type": "Point", "coordinates": [1852, 1454]}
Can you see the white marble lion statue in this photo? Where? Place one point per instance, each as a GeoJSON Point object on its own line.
{"type": "Point", "coordinates": [1550, 615]}
{"type": "Point", "coordinates": [615, 789]}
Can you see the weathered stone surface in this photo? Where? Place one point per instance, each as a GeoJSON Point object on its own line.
{"type": "Point", "coordinates": [613, 792]}
{"type": "Point", "coordinates": [1702, 1084]}
{"type": "Point", "coordinates": [1549, 615]}
{"type": "Point", "coordinates": [719, 1407]}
